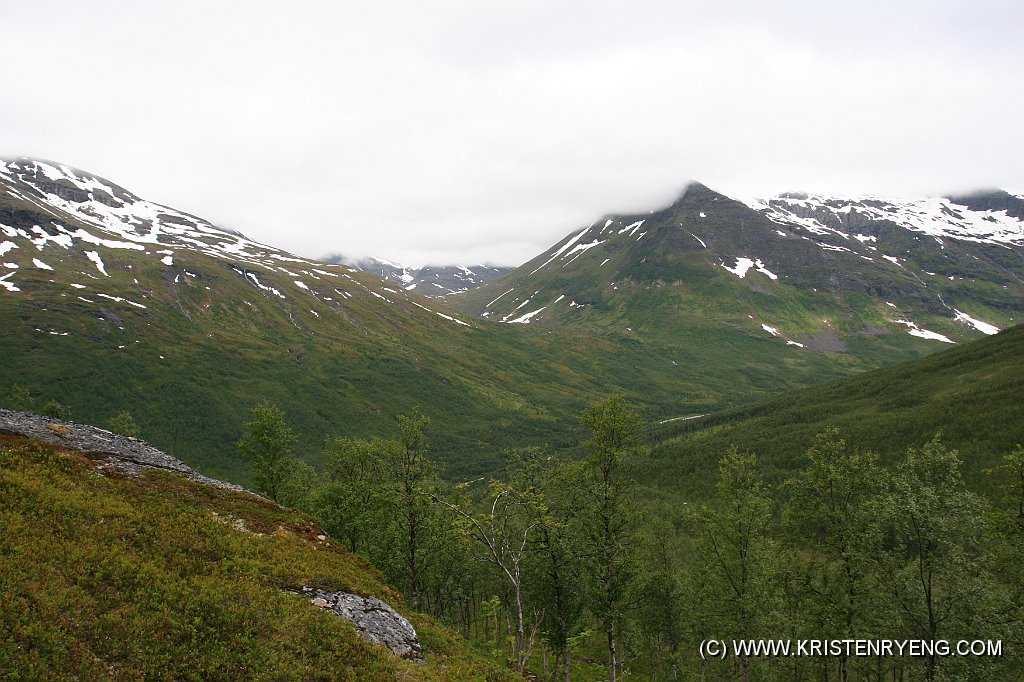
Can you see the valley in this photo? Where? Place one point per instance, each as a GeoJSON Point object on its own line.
{"type": "Point", "coordinates": [112, 302]}
{"type": "Point", "coordinates": [661, 398]}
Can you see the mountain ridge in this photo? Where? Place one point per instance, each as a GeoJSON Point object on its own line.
{"type": "Point", "coordinates": [832, 248]}
{"type": "Point", "coordinates": [431, 280]}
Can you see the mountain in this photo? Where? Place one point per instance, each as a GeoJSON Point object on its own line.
{"type": "Point", "coordinates": [111, 302]}
{"type": "Point", "coordinates": [434, 281]}
{"type": "Point", "coordinates": [117, 570]}
{"type": "Point", "coordinates": [968, 393]}
{"type": "Point", "coordinates": [865, 277]}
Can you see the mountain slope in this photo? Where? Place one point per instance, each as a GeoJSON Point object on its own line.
{"type": "Point", "coordinates": [112, 302]}
{"type": "Point", "coordinates": [784, 296]}
{"type": "Point", "coordinates": [869, 277]}
{"type": "Point", "coordinates": [112, 576]}
{"type": "Point", "coordinates": [969, 393]}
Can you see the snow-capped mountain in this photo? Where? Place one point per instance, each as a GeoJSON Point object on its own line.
{"type": "Point", "coordinates": [64, 215]}
{"type": "Point", "coordinates": [434, 281]}
{"type": "Point", "coordinates": [971, 218]}
{"type": "Point", "coordinates": [816, 272]}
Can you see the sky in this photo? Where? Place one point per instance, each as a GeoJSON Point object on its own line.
{"type": "Point", "coordinates": [465, 131]}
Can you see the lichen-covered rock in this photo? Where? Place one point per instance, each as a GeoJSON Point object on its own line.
{"type": "Point", "coordinates": [122, 452]}
{"type": "Point", "coordinates": [375, 621]}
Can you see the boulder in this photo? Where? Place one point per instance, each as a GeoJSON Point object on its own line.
{"type": "Point", "coordinates": [374, 620]}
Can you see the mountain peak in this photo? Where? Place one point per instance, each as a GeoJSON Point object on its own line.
{"type": "Point", "coordinates": [991, 200]}
{"type": "Point", "coordinates": [696, 192]}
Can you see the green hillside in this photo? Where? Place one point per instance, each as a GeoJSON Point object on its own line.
{"type": "Point", "coordinates": [113, 303]}
{"type": "Point", "coordinates": [113, 577]}
{"type": "Point", "coordinates": [970, 393]}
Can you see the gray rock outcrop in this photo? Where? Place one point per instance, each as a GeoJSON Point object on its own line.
{"type": "Point", "coordinates": [112, 450]}
{"type": "Point", "coordinates": [375, 621]}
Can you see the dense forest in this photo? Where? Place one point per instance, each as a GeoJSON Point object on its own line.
{"type": "Point", "coordinates": [566, 567]}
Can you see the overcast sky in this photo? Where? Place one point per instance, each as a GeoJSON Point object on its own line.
{"type": "Point", "coordinates": [473, 130]}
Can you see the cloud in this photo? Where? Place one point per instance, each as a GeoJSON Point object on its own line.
{"type": "Point", "coordinates": [485, 131]}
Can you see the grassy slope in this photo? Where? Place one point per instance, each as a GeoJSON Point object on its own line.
{"type": "Point", "coordinates": [110, 576]}
{"type": "Point", "coordinates": [970, 393]}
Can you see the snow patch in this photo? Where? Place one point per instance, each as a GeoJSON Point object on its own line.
{"type": "Point", "coordinates": [743, 265]}
{"type": "Point", "coordinates": [121, 300]}
{"type": "Point", "coordinates": [525, 319]}
{"type": "Point", "coordinates": [560, 251]}
{"type": "Point", "coordinates": [8, 285]}
{"type": "Point", "coordinates": [259, 285]}
{"type": "Point", "coordinates": [914, 330]}
{"type": "Point", "coordinates": [449, 317]}
{"type": "Point", "coordinates": [983, 327]}
{"type": "Point", "coordinates": [94, 256]}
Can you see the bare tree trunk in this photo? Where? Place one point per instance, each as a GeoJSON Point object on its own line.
{"type": "Point", "coordinates": [520, 633]}
{"type": "Point", "coordinates": [612, 660]}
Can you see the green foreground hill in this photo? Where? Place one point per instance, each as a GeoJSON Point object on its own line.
{"type": "Point", "coordinates": [107, 576]}
{"type": "Point", "coordinates": [971, 394]}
